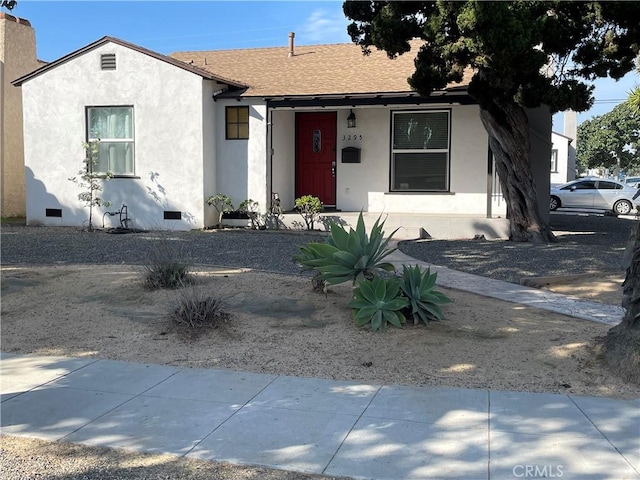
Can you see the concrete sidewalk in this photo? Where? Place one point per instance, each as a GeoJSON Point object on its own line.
{"type": "Point", "coordinates": [320, 426]}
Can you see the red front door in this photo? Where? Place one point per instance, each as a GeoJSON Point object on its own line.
{"type": "Point", "coordinates": [316, 156]}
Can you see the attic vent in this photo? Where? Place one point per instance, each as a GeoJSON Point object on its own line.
{"type": "Point", "coordinates": [108, 61]}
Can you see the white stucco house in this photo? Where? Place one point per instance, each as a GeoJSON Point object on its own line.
{"type": "Point", "coordinates": [323, 120]}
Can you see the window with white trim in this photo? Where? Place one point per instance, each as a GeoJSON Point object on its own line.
{"type": "Point", "coordinates": [112, 127]}
{"type": "Point", "coordinates": [554, 160]}
{"type": "Point", "coordinates": [420, 151]}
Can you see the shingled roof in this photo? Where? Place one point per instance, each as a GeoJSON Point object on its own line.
{"type": "Point", "coordinates": [104, 40]}
{"type": "Point", "coordinates": [337, 69]}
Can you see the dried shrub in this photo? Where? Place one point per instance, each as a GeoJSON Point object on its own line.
{"type": "Point", "coordinates": [195, 310]}
{"type": "Point", "coordinates": [164, 270]}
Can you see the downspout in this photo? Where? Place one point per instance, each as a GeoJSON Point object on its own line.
{"type": "Point", "coordinates": [270, 154]}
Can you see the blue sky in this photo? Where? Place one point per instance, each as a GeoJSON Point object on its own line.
{"type": "Point", "coordinates": [169, 26]}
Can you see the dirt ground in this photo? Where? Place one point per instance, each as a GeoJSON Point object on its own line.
{"type": "Point", "coordinates": [277, 324]}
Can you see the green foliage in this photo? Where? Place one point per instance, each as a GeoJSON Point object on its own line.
{"type": "Point", "coordinates": [222, 203]}
{"type": "Point", "coordinates": [351, 255]}
{"type": "Point", "coordinates": [309, 207]}
{"type": "Point", "coordinates": [419, 288]}
{"type": "Point", "coordinates": [634, 95]}
{"type": "Point", "coordinates": [195, 309]}
{"type": "Point", "coordinates": [634, 100]}
{"type": "Point", "coordinates": [605, 139]}
{"type": "Point", "coordinates": [90, 180]}
{"type": "Point", "coordinates": [507, 44]}
{"type": "Point", "coordinates": [379, 303]}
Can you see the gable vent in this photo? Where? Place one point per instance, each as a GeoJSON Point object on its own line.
{"type": "Point", "coordinates": [108, 61]}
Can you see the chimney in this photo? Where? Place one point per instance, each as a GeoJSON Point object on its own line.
{"type": "Point", "coordinates": [291, 37]}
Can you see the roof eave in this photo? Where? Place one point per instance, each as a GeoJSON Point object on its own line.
{"type": "Point", "coordinates": [177, 63]}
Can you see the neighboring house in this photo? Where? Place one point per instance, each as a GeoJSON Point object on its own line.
{"type": "Point", "coordinates": [562, 170]}
{"type": "Point", "coordinates": [17, 57]}
{"type": "Point", "coordinates": [323, 120]}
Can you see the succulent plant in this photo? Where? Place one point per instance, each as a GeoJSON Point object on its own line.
{"type": "Point", "coordinates": [378, 302]}
{"type": "Point", "coordinates": [419, 288]}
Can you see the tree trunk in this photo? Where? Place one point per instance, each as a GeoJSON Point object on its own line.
{"type": "Point", "coordinates": [508, 129]}
{"type": "Point", "coordinates": [622, 343]}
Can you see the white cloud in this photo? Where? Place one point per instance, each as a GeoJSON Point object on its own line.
{"type": "Point", "coordinates": [323, 26]}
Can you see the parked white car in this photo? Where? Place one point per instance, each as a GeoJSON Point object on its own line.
{"type": "Point", "coordinates": [595, 194]}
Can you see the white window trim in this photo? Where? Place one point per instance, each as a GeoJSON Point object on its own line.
{"type": "Point", "coordinates": [114, 140]}
{"type": "Point", "coordinates": [394, 151]}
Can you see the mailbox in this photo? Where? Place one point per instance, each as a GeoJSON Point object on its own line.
{"type": "Point", "coordinates": [350, 155]}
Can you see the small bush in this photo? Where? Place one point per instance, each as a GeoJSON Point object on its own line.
{"type": "Point", "coordinates": [222, 203]}
{"type": "Point", "coordinates": [163, 270]}
{"type": "Point", "coordinates": [309, 207]}
{"type": "Point", "coordinates": [196, 309]}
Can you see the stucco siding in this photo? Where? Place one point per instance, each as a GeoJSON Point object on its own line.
{"type": "Point", "coordinates": [17, 57]}
{"type": "Point", "coordinates": [283, 144]}
{"type": "Point", "coordinates": [366, 185]}
{"type": "Point", "coordinates": [241, 171]}
{"type": "Point", "coordinates": [168, 131]}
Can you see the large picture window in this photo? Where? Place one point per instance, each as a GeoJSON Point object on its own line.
{"type": "Point", "coordinates": [113, 128]}
{"type": "Point", "coordinates": [237, 123]}
{"type": "Point", "coordinates": [420, 151]}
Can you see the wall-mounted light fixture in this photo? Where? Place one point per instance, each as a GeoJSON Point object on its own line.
{"type": "Point", "coordinates": [351, 120]}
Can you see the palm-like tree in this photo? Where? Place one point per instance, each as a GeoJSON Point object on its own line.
{"type": "Point", "coordinates": [622, 343]}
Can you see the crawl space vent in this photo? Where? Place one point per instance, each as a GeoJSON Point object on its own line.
{"type": "Point", "coordinates": [108, 61]}
{"type": "Point", "coordinates": [169, 215]}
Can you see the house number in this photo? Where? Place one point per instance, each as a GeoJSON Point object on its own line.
{"type": "Point", "coordinates": [351, 137]}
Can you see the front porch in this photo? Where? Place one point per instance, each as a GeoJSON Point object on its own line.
{"type": "Point", "coordinates": [410, 225]}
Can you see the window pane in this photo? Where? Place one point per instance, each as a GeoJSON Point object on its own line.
{"type": "Point", "coordinates": [243, 130]}
{"type": "Point", "coordinates": [116, 157]}
{"type": "Point", "coordinates": [421, 131]}
{"type": "Point", "coordinates": [420, 171]}
{"type": "Point", "coordinates": [608, 185]}
{"type": "Point", "coordinates": [232, 131]}
{"type": "Point", "coordinates": [232, 114]}
{"type": "Point", "coordinates": [111, 122]}
{"type": "Point", "coordinates": [587, 185]}
{"type": "Point", "coordinates": [554, 160]}
{"type": "Point", "coordinates": [243, 114]}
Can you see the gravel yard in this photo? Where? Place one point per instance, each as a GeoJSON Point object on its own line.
{"type": "Point", "coordinates": [587, 244]}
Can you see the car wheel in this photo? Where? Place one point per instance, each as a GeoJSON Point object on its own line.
{"type": "Point", "coordinates": [622, 207]}
{"type": "Point", "coordinates": [554, 203]}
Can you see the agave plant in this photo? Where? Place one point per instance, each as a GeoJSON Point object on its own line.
{"type": "Point", "coordinates": [419, 288]}
{"type": "Point", "coordinates": [379, 302]}
{"type": "Point", "coordinates": [351, 255]}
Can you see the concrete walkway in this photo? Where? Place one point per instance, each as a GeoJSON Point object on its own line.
{"type": "Point", "coordinates": [511, 292]}
{"type": "Point", "coordinates": [320, 426]}
{"type": "Point", "coordinates": [332, 427]}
